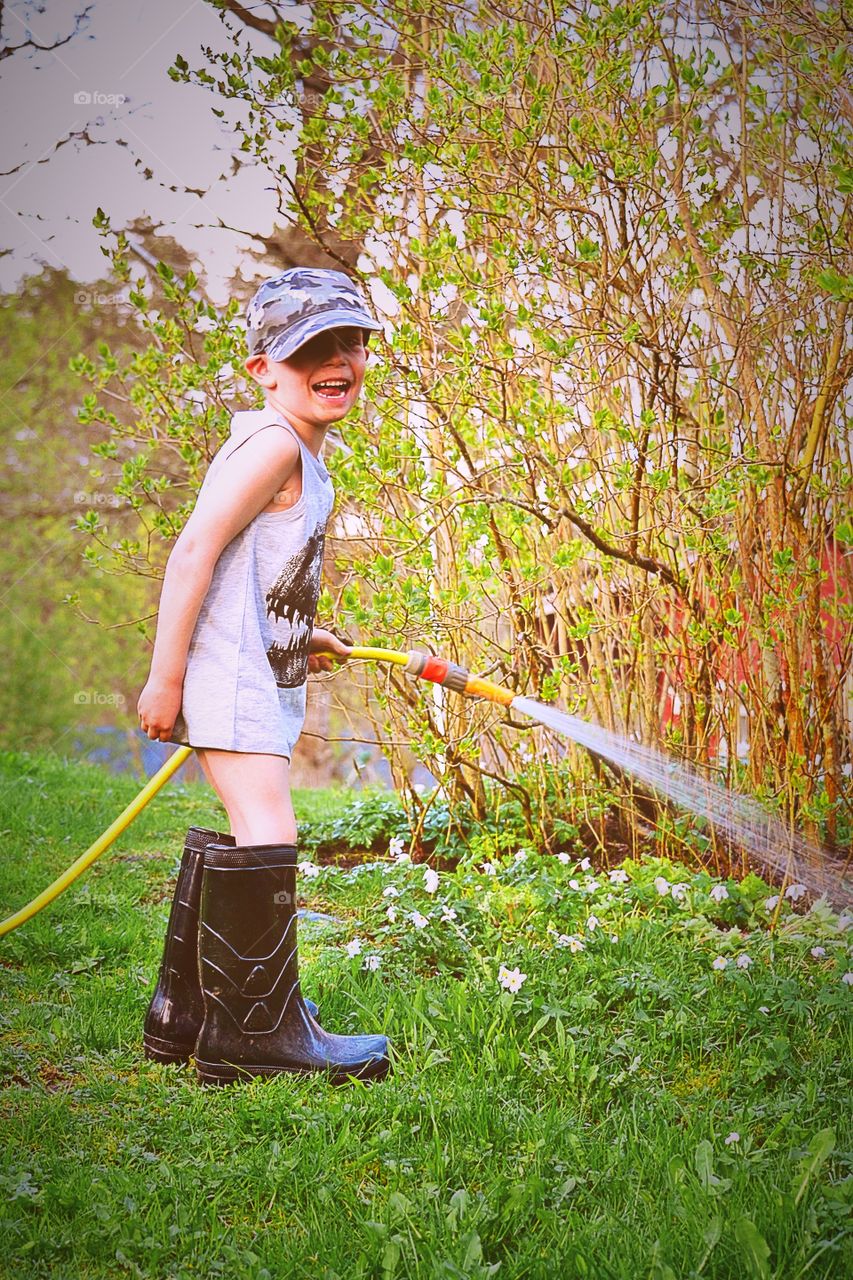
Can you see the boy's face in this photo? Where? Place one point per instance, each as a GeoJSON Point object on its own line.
{"type": "Point", "coordinates": [334, 356]}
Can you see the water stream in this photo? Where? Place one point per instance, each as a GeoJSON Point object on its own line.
{"type": "Point", "coordinates": [740, 819]}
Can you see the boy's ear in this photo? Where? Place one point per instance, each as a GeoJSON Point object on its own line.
{"type": "Point", "coordinates": [257, 367]}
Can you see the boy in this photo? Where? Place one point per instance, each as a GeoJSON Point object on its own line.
{"type": "Point", "coordinates": [235, 642]}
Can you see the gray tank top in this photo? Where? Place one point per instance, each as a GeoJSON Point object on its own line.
{"type": "Point", "coordinates": [244, 687]}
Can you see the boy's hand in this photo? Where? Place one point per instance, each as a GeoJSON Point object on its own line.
{"type": "Point", "coordinates": [322, 646]}
{"type": "Point", "coordinates": [158, 707]}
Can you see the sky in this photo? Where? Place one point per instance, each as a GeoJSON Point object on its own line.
{"type": "Point", "coordinates": [111, 79]}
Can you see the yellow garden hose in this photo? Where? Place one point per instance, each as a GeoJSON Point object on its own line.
{"type": "Point", "coordinates": [103, 842]}
{"type": "Point", "coordinates": [422, 665]}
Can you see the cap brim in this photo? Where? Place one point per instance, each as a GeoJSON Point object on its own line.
{"type": "Point", "coordinates": [284, 344]}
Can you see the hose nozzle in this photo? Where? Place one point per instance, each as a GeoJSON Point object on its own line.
{"type": "Point", "coordinates": [451, 676]}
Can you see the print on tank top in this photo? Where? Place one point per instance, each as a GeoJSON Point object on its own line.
{"type": "Point", "coordinates": [292, 603]}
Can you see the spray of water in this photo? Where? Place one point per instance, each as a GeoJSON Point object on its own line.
{"type": "Point", "coordinates": [740, 819]}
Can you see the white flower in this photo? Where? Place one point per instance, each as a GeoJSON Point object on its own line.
{"type": "Point", "coordinates": [564, 857]}
{"type": "Point", "coordinates": [511, 979]}
{"type": "Point", "coordinates": [372, 963]}
{"type": "Point", "coordinates": [309, 869]}
{"type": "Point", "coordinates": [195, 396]}
{"type": "Point", "coordinates": [574, 944]}
{"type": "Point", "coordinates": [430, 880]}
{"type": "Point", "coordinates": [419, 921]}
{"type": "Point", "coordinates": [795, 891]}
{"type": "Point", "coordinates": [391, 914]}
{"type": "Point", "coordinates": [762, 1008]}
{"type": "Point", "coordinates": [818, 952]}
{"type": "Point", "coordinates": [614, 937]}
{"type": "Point", "coordinates": [618, 876]}
{"type": "Point", "coordinates": [521, 855]}
{"type": "Point", "coordinates": [447, 915]}
{"type": "Point", "coordinates": [662, 885]}
{"type": "Point", "coordinates": [743, 961]}
{"type": "Point", "coordinates": [390, 892]}
{"type": "Point", "coordinates": [396, 845]}
{"type": "Point", "coordinates": [204, 324]}
{"type": "Point", "coordinates": [489, 869]}
{"type": "Point", "coordinates": [585, 864]}
{"type": "Point", "coordinates": [574, 884]}
{"type": "Point", "coordinates": [848, 978]}
{"type": "Point", "coordinates": [772, 903]}
{"type": "Point", "coordinates": [679, 891]}
{"type": "Point", "coordinates": [734, 1136]}
{"type": "Point", "coordinates": [590, 885]}
{"type": "Point", "coordinates": [719, 893]}
{"type": "Point", "coordinates": [592, 923]}
{"type": "Point", "coordinates": [225, 373]}
{"type": "Point", "coordinates": [720, 963]}
{"type": "Point", "coordinates": [353, 948]}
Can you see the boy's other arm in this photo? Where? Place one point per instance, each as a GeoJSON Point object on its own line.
{"type": "Point", "coordinates": [245, 485]}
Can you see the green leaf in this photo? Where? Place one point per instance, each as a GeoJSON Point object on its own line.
{"type": "Point", "coordinates": [754, 1248]}
{"type": "Point", "coordinates": [712, 1233]}
{"type": "Point", "coordinates": [821, 1147]}
{"type": "Point", "coordinates": [836, 285]}
{"type": "Point", "coordinates": [703, 1159]}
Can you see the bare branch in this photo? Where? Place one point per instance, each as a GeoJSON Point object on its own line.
{"type": "Point", "coordinates": [8, 50]}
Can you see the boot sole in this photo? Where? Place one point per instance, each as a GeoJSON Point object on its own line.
{"type": "Point", "coordinates": [165, 1051]}
{"type": "Point", "coordinates": [225, 1073]}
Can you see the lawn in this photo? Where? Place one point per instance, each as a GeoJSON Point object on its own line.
{"type": "Point", "coordinates": [661, 1090]}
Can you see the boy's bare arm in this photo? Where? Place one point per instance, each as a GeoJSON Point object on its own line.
{"type": "Point", "coordinates": [244, 487]}
{"type": "Point", "coordinates": [185, 584]}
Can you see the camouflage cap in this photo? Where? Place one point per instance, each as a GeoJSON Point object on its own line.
{"type": "Point", "coordinates": [289, 309]}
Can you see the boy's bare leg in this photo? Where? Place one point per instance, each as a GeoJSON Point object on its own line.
{"type": "Point", "coordinates": [255, 790]}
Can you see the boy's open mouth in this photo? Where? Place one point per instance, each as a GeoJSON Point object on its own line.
{"type": "Point", "coordinates": [332, 389]}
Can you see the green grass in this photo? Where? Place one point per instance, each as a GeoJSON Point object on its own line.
{"type": "Point", "coordinates": [575, 1128]}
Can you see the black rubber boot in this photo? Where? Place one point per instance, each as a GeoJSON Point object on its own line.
{"type": "Point", "coordinates": [176, 1011]}
{"type": "Point", "coordinates": [255, 1020]}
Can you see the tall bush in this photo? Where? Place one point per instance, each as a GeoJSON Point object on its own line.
{"type": "Point", "coordinates": [604, 453]}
